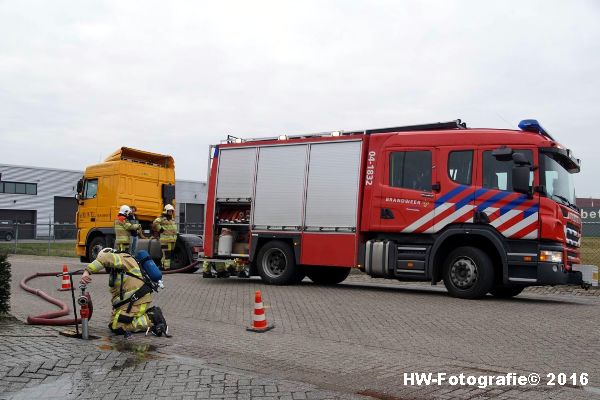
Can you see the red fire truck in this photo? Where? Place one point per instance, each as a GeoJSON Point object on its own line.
{"type": "Point", "coordinates": [484, 210]}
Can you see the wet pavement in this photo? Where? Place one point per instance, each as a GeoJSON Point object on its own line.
{"type": "Point", "coordinates": [37, 362]}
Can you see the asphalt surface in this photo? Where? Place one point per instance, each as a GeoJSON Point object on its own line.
{"type": "Point", "coordinates": [354, 340]}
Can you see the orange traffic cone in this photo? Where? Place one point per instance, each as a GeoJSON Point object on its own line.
{"type": "Point", "coordinates": [65, 282]}
{"type": "Point", "coordinates": [259, 320]}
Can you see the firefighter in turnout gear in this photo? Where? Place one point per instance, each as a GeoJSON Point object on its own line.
{"type": "Point", "coordinates": [131, 289]}
{"type": "Point", "coordinates": [123, 229]}
{"type": "Point", "coordinates": [167, 228]}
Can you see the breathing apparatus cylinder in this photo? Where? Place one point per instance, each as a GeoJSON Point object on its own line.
{"type": "Point", "coordinates": [145, 261]}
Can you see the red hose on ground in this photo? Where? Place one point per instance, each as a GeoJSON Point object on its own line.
{"type": "Point", "coordinates": [184, 269]}
{"type": "Point", "coordinates": [51, 318]}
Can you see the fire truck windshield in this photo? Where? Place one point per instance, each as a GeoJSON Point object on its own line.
{"type": "Point", "coordinates": [557, 181]}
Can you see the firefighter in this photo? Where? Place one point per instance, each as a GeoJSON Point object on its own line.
{"type": "Point", "coordinates": [124, 228]}
{"type": "Point", "coordinates": [137, 234]}
{"type": "Point", "coordinates": [131, 289]}
{"type": "Point", "coordinates": [166, 227]}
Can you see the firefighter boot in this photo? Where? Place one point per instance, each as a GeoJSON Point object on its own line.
{"type": "Point", "coordinates": [221, 269]}
{"type": "Point", "coordinates": [159, 324]}
{"type": "Point", "coordinates": [207, 269]}
{"type": "Point", "coordinates": [243, 274]}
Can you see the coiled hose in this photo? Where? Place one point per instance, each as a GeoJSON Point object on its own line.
{"type": "Point", "coordinates": [52, 318]}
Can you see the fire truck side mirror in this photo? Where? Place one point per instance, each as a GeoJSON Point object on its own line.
{"type": "Point", "coordinates": [520, 179]}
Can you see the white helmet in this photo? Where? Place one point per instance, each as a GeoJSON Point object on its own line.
{"type": "Point", "coordinates": [169, 207]}
{"type": "Point", "coordinates": [125, 210]}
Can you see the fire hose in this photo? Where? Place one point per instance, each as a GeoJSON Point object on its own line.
{"type": "Point", "coordinates": [50, 318]}
{"type": "Point", "coordinates": [53, 318]}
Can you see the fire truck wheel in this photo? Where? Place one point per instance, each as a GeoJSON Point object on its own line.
{"type": "Point", "coordinates": [276, 264]}
{"type": "Point", "coordinates": [468, 273]}
{"type": "Point", "coordinates": [505, 292]}
{"type": "Point", "coordinates": [327, 275]}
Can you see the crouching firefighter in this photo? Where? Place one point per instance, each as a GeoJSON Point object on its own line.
{"type": "Point", "coordinates": [131, 283]}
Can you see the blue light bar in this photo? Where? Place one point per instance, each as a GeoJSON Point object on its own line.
{"type": "Point", "coordinates": [532, 125]}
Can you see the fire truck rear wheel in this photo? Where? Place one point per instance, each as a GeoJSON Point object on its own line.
{"type": "Point", "coordinates": [327, 275]}
{"type": "Point", "coordinates": [468, 273]}
{"type": "Point", "coordinates": [505, 292]}
{"type": "Point", "coordinates": [276, 264]}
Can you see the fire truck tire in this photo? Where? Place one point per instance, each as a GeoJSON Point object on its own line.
{"type": "Point", "coordinates": [468, 273]}
{"type": "Point", "coordinates": [327, 275]}
{"type": "Point", "coordinates": [505, 292]}
{"type": "Point", "coordinates": [97, 244]}
{"type": "Point", "coordinates": [276, 264]}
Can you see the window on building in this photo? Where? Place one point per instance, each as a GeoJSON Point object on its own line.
{"type": "Point", "coordinates": [460, 165]}
{"type": "Point", "coordinates": [411, 170]}
{"type": "Point", "coordinates": [18, 188]}
{"type": "Point", "coordinates": [498, 174]}
{"type": "Point", "coordinates": [91, 189]}
{"type": "Point", "coordinates": [9, 187]}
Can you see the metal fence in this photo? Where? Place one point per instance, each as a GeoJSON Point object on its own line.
{"type": "Point", "coordinates": [55, 239]}
{"type": "Point", "coordinates": [591, 229]}
{"type": "Point", "coordinates": [59, 239]}
{"type": "Point", "coordinates": [193, 229]}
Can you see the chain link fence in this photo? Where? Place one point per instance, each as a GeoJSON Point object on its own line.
{"type": "Point", "coordinates": [59, 239]}
{"type": "Point", "coordinates": [193, 229]}
{"type": "Point", "coordinates": [54, 239]}
{"type": "Point", "coordinates": [590, 244]}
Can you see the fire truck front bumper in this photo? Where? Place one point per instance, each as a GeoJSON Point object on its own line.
{"type": "Point", "coordinates": [550, 273]}
{"type": "Point", "coordinates": [553, 274]}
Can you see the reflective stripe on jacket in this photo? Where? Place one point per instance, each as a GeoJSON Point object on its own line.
{"type": "Point", "coordinates": [121, 262]}
{"type": "Point", "coordinates": [169, 227]}
{"type": "Point", "coordinates": [123, 230]}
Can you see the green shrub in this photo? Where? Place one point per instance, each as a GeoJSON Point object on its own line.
{"type": "Point", "coordinates": [4, 283]}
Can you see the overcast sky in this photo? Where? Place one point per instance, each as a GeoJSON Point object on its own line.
{"type": "Point", "coordinates": [78, 79]}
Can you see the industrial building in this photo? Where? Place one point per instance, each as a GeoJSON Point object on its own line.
{"type": "Point", "coordinates": [38, 199]}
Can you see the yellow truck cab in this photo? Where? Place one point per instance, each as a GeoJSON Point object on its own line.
{"type": "Point", "coordinates": [133, 177]}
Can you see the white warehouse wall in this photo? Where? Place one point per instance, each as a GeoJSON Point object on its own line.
{"type": "Point", "coordinates": [187, 191]}
{"type": "Point", "coordinates": [50, 182]}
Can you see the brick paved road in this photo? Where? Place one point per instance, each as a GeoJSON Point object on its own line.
{"type": "Point", "coordinates": [35, 363]}
{"type": "Point", "coordinates": [361, 337]}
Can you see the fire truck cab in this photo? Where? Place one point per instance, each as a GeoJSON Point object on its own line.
{"type": "Point", "coordinates": [483, 210]}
